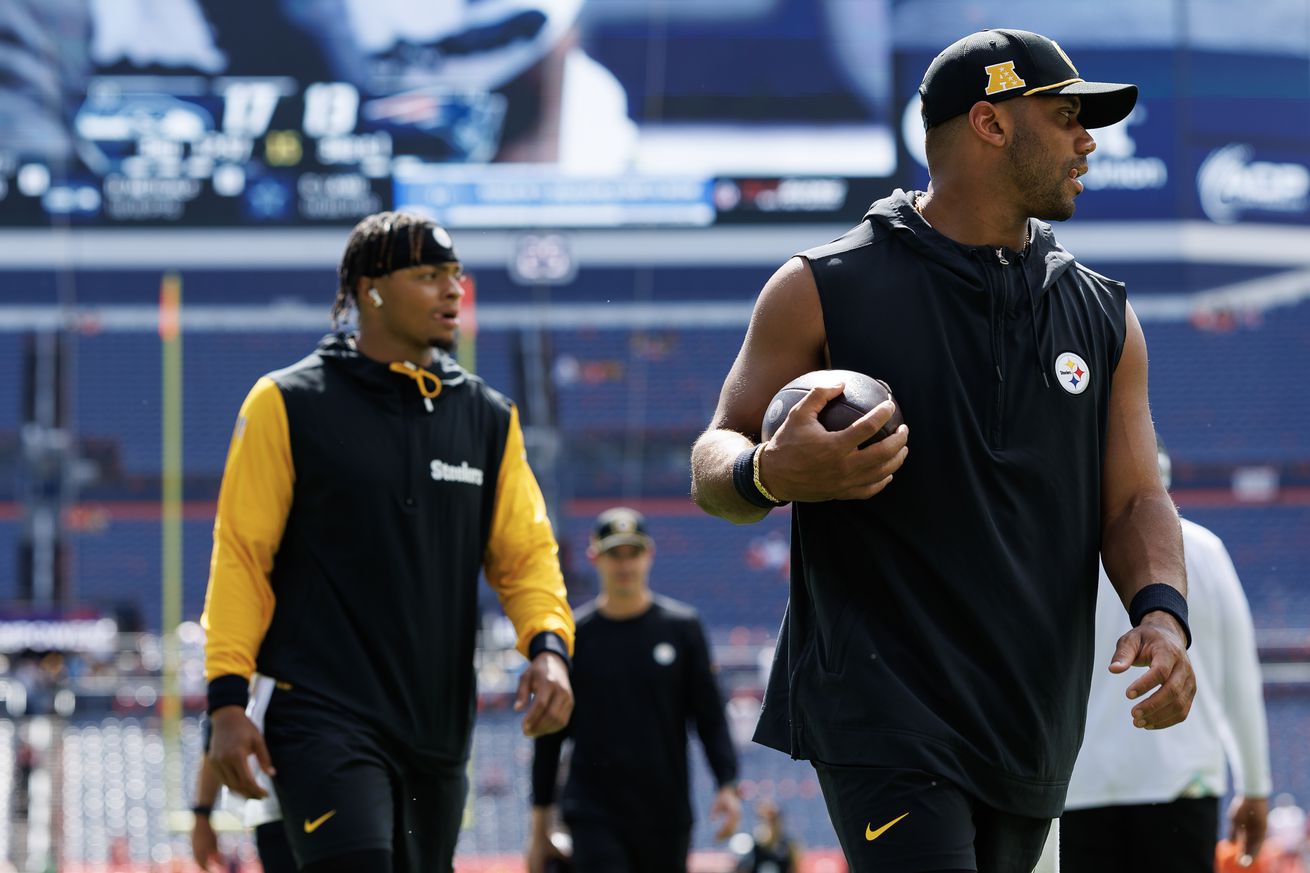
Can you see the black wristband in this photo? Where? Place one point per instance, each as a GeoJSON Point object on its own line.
{"type": "Point", "coordinates": [228, 690]}
{"type": "Point", "coordinates": [743, 479]}
{"type": "Point", "coordinates": [1160, 598]}
{"type": "Point", "coordinates": [549, 641]}
{"type": "Point", "coordinates": [202, 810]}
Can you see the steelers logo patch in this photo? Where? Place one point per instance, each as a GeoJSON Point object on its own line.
{"type": "Point", "coordinates": [1072, 372]}
{"type": "Point", "coordinates": [664, 654]}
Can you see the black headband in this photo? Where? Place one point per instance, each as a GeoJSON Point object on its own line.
{"type": "Point", "coordinates": [434, 247]}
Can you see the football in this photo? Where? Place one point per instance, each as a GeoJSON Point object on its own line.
{"type": "Point", "coordinates": [861, 394]}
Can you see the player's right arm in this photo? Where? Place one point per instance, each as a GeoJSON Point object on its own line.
{"type": "Point", "coordinates": [253, 504]}
{"type": "Point", "coordinates": [803, 461]}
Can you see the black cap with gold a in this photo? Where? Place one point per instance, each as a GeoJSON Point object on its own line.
{"type": "Point", "coordinates": [999, 64]}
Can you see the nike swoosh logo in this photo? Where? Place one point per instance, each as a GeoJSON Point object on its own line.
{"type": "Point", "coordinates": [311, 826]}
{"type": "Point", "coordinates": [870, 834]}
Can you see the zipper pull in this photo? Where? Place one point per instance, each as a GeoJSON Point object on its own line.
{"type": "Point", "coordinates": [1000, 256]}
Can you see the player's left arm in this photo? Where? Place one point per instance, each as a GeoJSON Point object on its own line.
{"type": "Point", "coordinates": [1141, 545]}
{"type": "Point", "coordinates": [522, 566]}
{"type": "Point", "coordinates": [712, 728]}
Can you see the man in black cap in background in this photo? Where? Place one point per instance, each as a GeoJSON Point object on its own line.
{"type": "Point", "coordinates": [366, 488]}
{"type": "Point", "coordinates": [641, 672]}
{"type": "Point", "coordinates": [936, 653]}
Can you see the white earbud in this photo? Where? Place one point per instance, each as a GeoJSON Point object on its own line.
{"type": "Point", "coordinates": [375, 297]}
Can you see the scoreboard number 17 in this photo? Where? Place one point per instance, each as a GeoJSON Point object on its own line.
{"type": "Point", "coordinates": [331, 108]}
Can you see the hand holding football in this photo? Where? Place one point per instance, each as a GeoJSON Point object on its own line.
{"type": "Point", "coordinates": [860, 394]}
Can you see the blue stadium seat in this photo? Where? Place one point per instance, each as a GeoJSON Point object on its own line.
{"type": "Point", "coordinates": [496, 361]}
{"type": "Point", "coordinates": [1288, 708]}
{"type": "Point", "coordinates": [220, 368]}
{"type": "Point", "coordinates": [118, 568]}
{"type": "Point", "coordinates": [10, 536]}
{"type": "Point", "coordinates": [119, 392]}
{"type": "Point", "coordinates": [608, 381]}
{"type": "Point", "coordinates": [1268, 547]}
{"type": "Point", "coordinates": [1227, 390]}
{"type": "Point", "coordinates": [11, 359]}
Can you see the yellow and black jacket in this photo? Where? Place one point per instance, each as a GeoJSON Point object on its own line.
{"type": "Point", "coordinates": [358, 504]}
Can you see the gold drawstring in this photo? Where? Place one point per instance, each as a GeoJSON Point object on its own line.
{"type": "Point", "coordinates": [428, 383]}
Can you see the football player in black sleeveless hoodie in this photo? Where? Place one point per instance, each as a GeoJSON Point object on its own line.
{"type": "Point", "coordinates": [935, 658]}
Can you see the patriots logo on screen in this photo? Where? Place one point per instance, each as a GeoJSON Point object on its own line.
{"type": "Point", "coordinates": [1002, 77]}
{"type": "Point", "coordinates": [1072, 372]}
{"type": "Point", "coordinates": [466, 125]}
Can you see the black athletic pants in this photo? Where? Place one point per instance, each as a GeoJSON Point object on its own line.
{"type": "Point", "coordinates": [630, 847]}
{"type": "Point", "coordinates": [345, 788]}
{"type": "Point", "coordinates": [890, 820]}
{"type": "Point", "coordinates": [1177, 837]}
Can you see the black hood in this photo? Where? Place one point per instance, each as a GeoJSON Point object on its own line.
{"type": "Point", "coordinates": [340, 349]}
{"type": "Point", "coordinates": [1044, 263]}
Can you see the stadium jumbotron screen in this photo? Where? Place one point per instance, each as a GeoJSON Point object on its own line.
{"type": "Point", "coordinates": [570, 113]}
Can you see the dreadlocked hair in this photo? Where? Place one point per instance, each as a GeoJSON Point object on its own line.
{"type": "Point", "coordinates": [369, 250]}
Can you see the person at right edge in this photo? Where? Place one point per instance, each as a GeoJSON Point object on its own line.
{"type": "Point", "coordinates": [1151, 801]}
{"type": "Point", "coordinates": [934, 661]}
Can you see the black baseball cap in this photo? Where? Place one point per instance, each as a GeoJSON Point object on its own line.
{"type": "Point", "coordinates": [620, 526]}
{"type": "Point", "coordinates": [999, 64]}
